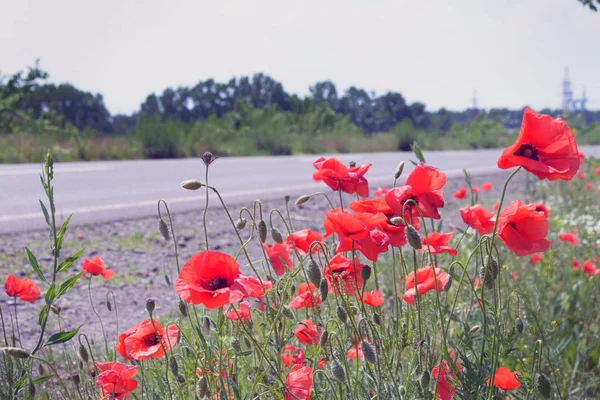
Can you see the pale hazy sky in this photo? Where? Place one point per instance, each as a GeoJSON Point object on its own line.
{"type": "Point", "coordinates": [513, 52]}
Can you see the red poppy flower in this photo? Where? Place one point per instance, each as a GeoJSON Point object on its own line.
{"type": "Point", "coordinates": [116, 380]}
{"type": "Point", "coordinates": [545, 147]}
{"type": "Point", "coordinates": [426, 281]}
{"type": "Point", "coordinates": [422, 185]}
{"type": "Point", "coordinates": [213, 278]}
{"type": "Point", "coordinates": [486, 186]}
{"type": "Point", "coordinates": [438, 243]}
{"type": "Point", "coordinates": [460, 193]}
{"type": "Point", "coordinates": [478, 218]}
{"type": "Point", "coordinates": [293, 355]}
{"type": "Point", "coordinates": [343, 274]}
{"type": "Point", "coordinates": [355, 352]}
{"type": "Point", "coordinates": [576, 264]}
{"type": "Point", "coordinates": [380, 191]}
{"type": "Point", "coordinates": [372, 206]}
{"type": "Point", "coordinates": [536, 258]}
{"type": "Point", "coordinates": [339, 177]}
{"type": "Point", "coordinates": [345, 224]}
{"type": "Point", "coordinates": [145, 341]}
{"type": "Point", "coordinates": [242, 312]}
{"type": "Point", "coordinates": [279, 256]}
{"type": "Point", "coordinates": [543, 209]}
{"type": "Point", "coordinates": [446, 377]}
{"type": "Point", "coordinates": [597, 171]}
{"type": "Point", "coordinates": [96, 267]}
{"type": "Point", "coordinates": [568, 237]}
{"type": "Point", "coordinates": [307, 333]}
{"type": "Point", "coordinates": [306, 297]}
{"type": "Point", "coordinates": [24, 288]}
{"type": "Point", "coordinates": [299, 382]}
{"type": "Point", "coordinates": [474, 189]}
{"type": "Point", "coordinates": [376, 243]}
{"type": "Point", "coordinates": [523, 229]}
{"type": "Point", "coordinates": [514, 276]}
{"type": "Point", "coordinates": [303, 239]}
{"type": "Point", "coordinates": [590, 268]}
{"type": "Point", "coordinates": [505, 379]}
{"type": "Point", "coordinates": [373, 299]}
{"type": "Point", "coordinates": [581, 176]}
{"type": "Point", "coordinates": [588, 186]}
{"type": "Point", "coordinates": [322, 362]}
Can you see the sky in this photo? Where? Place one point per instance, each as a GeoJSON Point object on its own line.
{"type": "Point", "coordinates": [512, 53]}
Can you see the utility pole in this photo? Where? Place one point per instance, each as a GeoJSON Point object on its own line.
{"type": "Point", "coordinates": [567, 93]}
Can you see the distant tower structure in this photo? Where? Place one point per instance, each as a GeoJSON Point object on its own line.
{"type": "Point", "coordinates": [567, 93]}
{"type": "Point", "coordinates": [474, 99]}
{"type": "Point", "coordinates": [583, 100]}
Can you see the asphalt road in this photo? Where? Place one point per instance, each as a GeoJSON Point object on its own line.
{"type": "Point", "coordinates": [106, 191]}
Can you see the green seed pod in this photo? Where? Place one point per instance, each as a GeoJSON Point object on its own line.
{"type": "Point", "coordinates": [202, 388]}
{"type": "Point", "coordinates": [235, 343]}
{"type": "Point", "coordinates": [241, 224]}
{"type": "Point", "coordinates": [31, 389]}
{"type": "Point", "coordinates": [287, 312]}
{"type": "Point", "coordinates": [276, 236]}
{"type": "Point", "coordinates": [302, 199]}
{"type": "Point", "coordinates": [164, 229]}
{"type": "Point", "coordinates": [519, 325]}
{"type": "Point", "coordinates": [313, 272]}
{"type": "Point", "coordinates": [399, 169]}
{"type": "Point", "coordinates": [173, 366]}
{"type": "Point", "coordinates": [83, 353]}
{"type": "Point", "coordinates": [342, 314]}
{"type": "Point", "coordinates": [543, 386]}
{"type": "Point", "coordinates": [182, 308]}
{"type": "Point", "coordinates": [413, 237]}
{"type": "Point", "coordinates": [338, 371]}
{"type": "Point", "coordinates": [150, 306]}
{"type": "Point", "coordinates": [365, 272]}
{"type": "Point", "coordinates": [15, 352]}
{"type": "Point", "coordinates": [369, 352]}
{"type": "Point", "coordinates": [262, 231]}
{"type": "Point", "coordinates": [424, 380]}
{"type": "Point", "coordinates": [324, 289]}
{"type": "Point", "coordinates": [191, 184]}
{"type": "Point", "coordinates": [324, 338]}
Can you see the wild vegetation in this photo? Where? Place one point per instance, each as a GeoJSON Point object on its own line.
{"type": "Point", "coordinates": [384, 303]}
{"type": "Point", "coordinates": [245, 116]}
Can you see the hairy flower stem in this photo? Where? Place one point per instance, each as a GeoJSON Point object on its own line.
{"type": "Point", "coordinates": [62, 383]}
{"type": "Point", "coordinates": [97, 315]}
{"type": "Point", "coordinates": [162, 346]}
{"type": "Point", "coordinates": [205, 209]}
{"type": "Point", "coordinates": [173, 231]}
{"type": "Point", "coordinates": [17, 322]}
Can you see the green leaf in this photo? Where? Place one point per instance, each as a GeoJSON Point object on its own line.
{"type": "Point", "coordinates": [418, 152]}
{"type": "Point", "coordinates": [46, 215]}
{"type": "Point", "coordinates": [42, 315]}
{"type": "Point", "coordinates": [61, 232]}
{"type": "Point", "coordinates": [41, 379]}
{"type": "Point", "coordinates": [69, 261]}
{"type": "Point", "coordinates": [34, 264]}
{"type": "Point", "coordinates": [62, 337]}
{"type": "Point", "coordinates": [68, 284]}
{"type": "Point", "coordinates": [50, 294]}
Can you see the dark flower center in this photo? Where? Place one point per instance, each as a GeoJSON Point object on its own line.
{"type": "Point", "coordinates": [151, 340]}
{"type": "Point", "coordinates": [217, 283]}
{"type": "Point", "coordinates": [513, 225]}
{"type": "Point", "coordinates": [527, 150]}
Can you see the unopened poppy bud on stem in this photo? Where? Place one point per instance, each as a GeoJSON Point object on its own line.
{"type": "Point", "coordinates": [287, 312]}
{"type": "Point", "coordinates": [191, 184]}
{"type": "Point", "coordinates": [241, 224]}
{"type": "Point", "coordinates": [276, 236]}
{"type": "Point", "coordinates": [519, 325]}
{"type": "Point", "coordinates": [150, 305]}
{"type": "Point", "coordinates": [369, 352]}
{"type": "Point", "coordinates": [173, 366]}
{"type": "Point", "coordinates": [313, 272]}
{"type": "Point", "coordinates": [399, 169]}
{"type": "Point", "coordinates": [398, 221]}
{"type": "Point", "coordinates": [413, 237]}
{"type": "Point", "coordinates": [474, 329]}
{"type": "Point", "coordinates": [202, 388]}
{"type": "Point", "coordinates": [55, 309]}
{"type": "Point", "coordinates": [83, 353]}
{"type": "Point", "coordinates": [262, 231]}
{"type": "Point", "coordinates": [365, 272]}
{"type": "Point", "coordinates": [324, 289]}
{"type": "Point", "coordinates": [302, 199]}
{"type": "Point", "coordinates": [208, 158]}
{"type": "Point", "coordinates": [324, 338]}
{"type": "Point", "coordinates": [543, 386]}
{"type": "Point", "coordinates": [164, 229]}
{"type": "Point", "coordinates": [16, 352]}
{"type": "Point", "coordinates": [424, 380]}
{"type": "Point", "coordinates": [338, 372]}
{"type": "Point", "coordinates": [342, 314]}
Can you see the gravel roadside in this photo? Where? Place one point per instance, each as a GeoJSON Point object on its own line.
{"type": "Point", "coordinates": [141, 258]}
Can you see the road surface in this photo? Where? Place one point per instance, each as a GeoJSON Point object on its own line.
{"type": "Point", "coordinates": [111, 190]}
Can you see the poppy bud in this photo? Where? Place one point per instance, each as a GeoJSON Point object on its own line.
{"type": "Point", "coordinates": [235, 343]}
{"type": "Point", "coordinates": [276, 235]}
{"type": "Point", "coordinates": [324, 289]}
{"type": "Point", "coordinates": [352, 164]}
{"type": "Point", "coordinates": [342, 315]}
{"type": "Point", "coordinates": [164, 229]}
{"type": "Point", "coordinates": [313, 272]}
{"type": "Point", "coordinates": [31, 389]}
{"type": "Point", "coordinates": [369, 352]}
{"type": "Point", "coordinates": [324, 338]}
{"type": "Point", "coordinates": [474, 329]}
{"type": "Point", "coordinates": [448, 284]}
{"type": "Point", "coordinates": [413, 237]}
{"type": "Point", "coordinates": [287, 312]}
{"type": "Point", "coordinates": [167, 280]}
{"type": "Point", "coordinates": [365, 272]}
{"type": "Point", "coordinates": [247, 343]}
{"type": "Point", "coordinates": [519, 325]}
{"type": "Point", "coordinates": [286, 198]}
{"type": "Point", "coordinates": [83, 353]}
{"type": "Point", "coordinates": [16, 352]}
{"type": "Point", "coordinates": [302, 199]}
{"type": "Point", "coordinates": [206, 323]}
{"type": "Point", "coordinates": [486, 277]}
{"type": "Point", "coordinates": [338, 372]}
{"type": "Point", "coordinates": [424, 380]}
{"type": "Point", "coordinates": [191, 184]}
{"type": "Point", "coordinates": [55, 309]}
{"type": "Point", "coordinates": [241, 224]}
{"type": "Point", "coordinates": [173, 366]}
{"type": "Point", "coordinates": [182, 307]}
{"type": "Point", "coordinates": [108, 305]}
{"type": "Point", "coordinates": [262, 231]}
{"type": "Point", "coordinates": [41, 369]}
{"type": "Point", "coordinates": [493, 267]}
{"type": "Point", "coordinates": [208, 158]}
{"type": "Point", "coordinates": [202, 388]}
{"type": "Point", "coordinates": [180, 379]}
{"type": "Point", "coordinates": [543, 386]}
{"type": "Point", "coordinates": [377, 318]}
{"type": "Point", "coordinates": [150, 305]}
{"type": "Point", "coordinates": [399, 169]}
{"type": "Point", "coordinates": [398, 221]}
{"type": "Point", "coordinates": [76, 379]}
